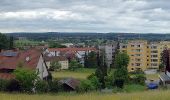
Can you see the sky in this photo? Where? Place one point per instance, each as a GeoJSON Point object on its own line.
{"type": "Point", "coordinates": [137, 16]}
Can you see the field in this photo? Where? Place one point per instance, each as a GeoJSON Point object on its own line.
{"type": "Point", "coordinates": [81, 73]}
{"type": "Point", "coordinates": [148, 95]}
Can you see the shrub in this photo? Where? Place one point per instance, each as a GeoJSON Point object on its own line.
{"type": "Point", "coordinates": [138, 79]}
{"type": "Point", "coordinates": [13, 85]}
{"type": "Point", "coordinates": [41, 86]}
{"type": "Point", "coordinates": [119, 83]}
{"type": "Point", "coordinates": [26, 78]}
{"type": "Point", "coordinates": [3, 84]}
{"type": "Point", "coordinates": [95, 82]}
{"type": "Point", "coordinates": [54, 86]}
{"type": "Point", "coordinates": [85, 86]}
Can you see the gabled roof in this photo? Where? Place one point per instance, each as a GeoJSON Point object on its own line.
{"type": "Point", "coordinates": [71, 82]}
{"type": "Point", "coordinates": [28, 58]}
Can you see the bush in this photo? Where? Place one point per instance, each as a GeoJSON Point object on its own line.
{"type": "Point", "coordinates": [41, 86]}
{"type": "Point", "coordinates": [3, 84]}
{"type": "Point", "coordinates": [13, 85]}
{"type": "Point", "coordinates": [138, 79]}
{"type": "Point", "coordinates": [119, 83]}
{"type": "Point", "coordinates": [54, 86]}
{"type": "Point", "coordinates": [26, 78]}
{"type": "Point", "coordinates": [95, 82]}
{"type": "Point", "coordinates": [85, 86]}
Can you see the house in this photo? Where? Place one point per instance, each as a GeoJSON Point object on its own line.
{"type": "Point", "coordinates": [30, 59]}
{"type": "Point", "coordinates": [63, 61]}
{"type": "Point", "coordinates": [70, 53]}
{"type": "Point", "coordinates": [69, 84]}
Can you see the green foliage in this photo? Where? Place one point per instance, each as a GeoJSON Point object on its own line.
{"type": "Point", "coordinates": [121, 72]}
{"type": "Point", "coordinates": [94, 81]}
{"type": "Point", "coordinates": [138, 77]}
{"type": "Point", "coordinates": [53, 44]}
{"type": "Point", "coordinates": [109, 81]}
{"type": "Point", "coordinates": [85, 86]}
{"type": "Point", "coordinates": [41, 86]}
{"type": "Point", "coordinates": [54, 86]}
{"type": "Point", "coordinates": [5, 42]}
{"type": "Point", "coordinates": [13, 85]}
{"type": "Point", "coordinates": [161, 67]}
{"type": "Point", "coordinates": [26, 78]}
{"type": "Point", "coordinates": [3, 84]}
{"type": "Point", "coordinates": [121, 60]}
{"type": "Point", "coordinates": [55, 65]}
{"type": "Point", "coordinates": [73, 65]}
{"type": "Point", "coordinates": [90, 60]}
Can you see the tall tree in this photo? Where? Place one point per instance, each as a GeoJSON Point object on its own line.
{"type": "Point", "coordinates": [4, 42]}
{"type": "Point", "coordinates": [121, 72]}
{"type": "Point", "coordinates": [90, 60]}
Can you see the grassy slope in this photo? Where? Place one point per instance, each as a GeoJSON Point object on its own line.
{"type": "Point", "coordinates": [148, 95]}
{"type": "Point", "coordinates": [81, 73]}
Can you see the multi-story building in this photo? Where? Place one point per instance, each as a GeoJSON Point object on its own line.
{"type": "Point", "coordinates": [144, 55]}
{"type": "Point", "coordinates": [109, 52]}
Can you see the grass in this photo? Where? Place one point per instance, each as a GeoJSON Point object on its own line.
{"type": "Point", "coordinates": [148, 95]}
{"type": "Point", "coordinates": [134, 88]}
{"type": "Point", "coordinates": [80, 73]}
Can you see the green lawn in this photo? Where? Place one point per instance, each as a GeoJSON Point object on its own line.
{"type": "Point", "coordinates": [148, 95]}
{"type": "Point", "coordinates": [81, 73]}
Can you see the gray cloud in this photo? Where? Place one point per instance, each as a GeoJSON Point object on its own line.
{"type": "Point", "coordinates": [85, 15]}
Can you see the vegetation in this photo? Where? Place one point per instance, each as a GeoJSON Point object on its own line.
{"type": "Point", "coordinates": [73, 65]}
{"type": "Point", "coordinates": [80, 73]}
{"type": "Point", "coordinates": [90, 60]}
{"type": "Point", "coordinates": [5, 42]}
{"type": "Point", "coordinates": [121, 72]}
{"type": "Point", "coordinates": [54, 44]}
{"type": "Point", "coordinates": [26, 78]}
{"type": "Point", "coordinates": [147, 95]}
{"type": "Point", "coordinates": [55, 66]}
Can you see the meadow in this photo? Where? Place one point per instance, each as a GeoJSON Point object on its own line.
{"type": "Point", "coordinates": [147, 95]}
{"type": "Point", "coordinates": [80, 73]}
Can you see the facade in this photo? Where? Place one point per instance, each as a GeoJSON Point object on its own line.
{"type": "Point", "coordinates": [109, 52]}
{"type": "Point", "coordinates": [61, 60]}
{"type": "Point", "coordinates": [143, 54]}
{"type": "Point", "coordinates": [31, 59]}
{"type": "Point", "coordinates": [70, 53]}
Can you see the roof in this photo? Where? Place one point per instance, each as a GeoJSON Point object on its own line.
{"type": "Point", "coordinates": [72, 49]}
{"type": "Point", "coordinates": [6, 76]}
{"type": "Point", "coordinates": [73, 83]}
{"type": "Point", "coordinates": [28, 58]}
{"type": "Point", "coordinates": [55, 58]}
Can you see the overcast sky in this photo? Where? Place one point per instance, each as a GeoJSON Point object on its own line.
{"type": "Point", "coordinates": [85, 16]}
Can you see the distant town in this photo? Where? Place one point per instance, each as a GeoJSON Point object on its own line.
{"type": "Point", "coordinates": [43, 63]}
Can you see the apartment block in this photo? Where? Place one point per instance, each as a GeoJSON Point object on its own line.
{"type": "Point", "coordinates": [109, 51]}
{"type": "Point", "coordinates": [143, 54]}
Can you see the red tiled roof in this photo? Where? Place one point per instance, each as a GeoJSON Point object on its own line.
{"type": "Point", "coordinates": [12, 62]}
{"type": "Point", "coordinates": [6, 76]}
{"type": "Point", "coordinates": [72, 49]}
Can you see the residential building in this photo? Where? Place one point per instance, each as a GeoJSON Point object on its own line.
{"type": "Point", "coordinates": [30, 59]}
{"type": "Point", "coordinates": [71, 53]}
{"type": "Point", "coordinates": [63, 61]}
{"type": "Point", "coordinates": [109, 52]}
{"type": "Point", "coordinates": [143, 54]}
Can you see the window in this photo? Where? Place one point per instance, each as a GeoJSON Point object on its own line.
{"type": "Point", "coordinates": [153, 47]}
{"type": "Point", "coordinates": [154, 51]}
{"type": "Point", "coordinates": [154, 64]}
{"type": "Point", "coordinates": [132, 46]}
{"type": "Point", "coordinates": [138, 45]}
{"type": "Point", "coordinates": [124, 46]}
{"type": "Point", "coordinates": [154, 56]}
{"type": "Point", "coordinates": [132, 64]}
{"type": "Point", "coordinates": [154, 60]}
{"type": "Point", "coordinates": [132, 68]}
{"type": "Point", "coordinates": [138, 50]}
{"type": "Point", "coordinates": [138, 64]}
{"type": "Point", "coordinates": [138, 55]}
{"type": "Point", "coordinates": [138, 59]}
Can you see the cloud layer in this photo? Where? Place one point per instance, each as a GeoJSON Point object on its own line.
{"type": "Point", "coordinates": [85, 16]}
